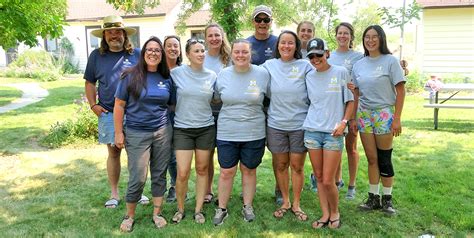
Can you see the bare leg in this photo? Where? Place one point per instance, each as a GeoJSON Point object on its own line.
{"type": "Point", "coordinates": [210, 172]}
{"type": "Point", "coordinates": [281, 162]}
{"type": "Point", "coordinates": [249, 184]}
{"type": "Point", "coordinates": [113, 169]}
{"type": "Point", "coordinates": [226, 180]}
{"type": "Point", "coordinates": [297, 177]}
{"type": "Point", "coordinates": [183, 160]}
{"type": "Point", "coordinates": [352, 157]}
{"type": "Point", "coordinates": [332, 158]}
{"type": "Point", "coordinates": [201, 166]}
{"type": "Point", "coordinates": [370, 148]}
{"type": "Point", "coordinates": [316, 157]}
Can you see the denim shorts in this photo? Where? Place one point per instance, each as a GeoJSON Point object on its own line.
{"type": "Point", "coordinates": [375, 121]}
{"type": "Point", "coordinates": [315, 140]}
{"type": "Point", "coordinates": [249, 153]}
{"type": "Point", "coordinates": [106, 128]}
{"type": "Point", "coordinates": [280, 141]}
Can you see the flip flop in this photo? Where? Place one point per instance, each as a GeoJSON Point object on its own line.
{"type": "Point", "coordinates": [280, 212]}
{"type": "Point", "coordinates": [300, 215]}
{"type": "Point", "coordinates": [208, 198]}
{"type": "Point", "coordinates": [338, 223]}
{"type": "Point", "coordinates": [319, 224]}
{"type": "Point", "coordinates": [144, 200]}
{"type": "Point", "coordinates": [112, 203]}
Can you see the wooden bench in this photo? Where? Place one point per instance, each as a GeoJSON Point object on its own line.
{"type": "Point", "coordinates": [452, 90]}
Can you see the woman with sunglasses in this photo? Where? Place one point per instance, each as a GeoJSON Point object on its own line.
{"type": "Point", "coordinates": [240, 128]}
{"type": "Point", "coordinates": [173, 58]}
{"type": "Point", "coordinates": [217, 58]}
{"type": "Point", "coordinates": [143, 96]}
{"type": "Point", "coordinates": [380, 88]}
{"type": "Point", "coordinates": [286, 114]}
{"type": "Point", "coordinates": [331, 106]}
{"type": "Point", "coordinates": [194, 130]}
{"type": "Point", "coordinates": [345, 56]}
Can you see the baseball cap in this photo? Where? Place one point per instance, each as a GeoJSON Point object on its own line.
{"type": "Point", "coordinates": [316, 46]}
{"type": "Point", "coordinates": [262, 9]}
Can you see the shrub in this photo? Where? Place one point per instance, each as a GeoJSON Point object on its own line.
{"type": "Point", "coordinates": [83, 126]}
{"type": "Point", "coordinates": [415, 81]}
{"type": "Point", "coordinates": [37, 64]}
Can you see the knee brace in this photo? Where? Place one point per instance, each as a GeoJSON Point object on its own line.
{"type": "Point", "coordinates": [384, 159]}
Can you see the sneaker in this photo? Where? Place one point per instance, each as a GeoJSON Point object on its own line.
{"type": "Point", "coordinates": [247, 212]}
{"type": "Point", "coordinates": [314, 183]}
{"type": "Point", "coordinates": [171, 195]}
{"type": "Point", "coordinates": [340, 184]}
{"type": "Point", "coordinates": [220, 216]}
{"type": "Point", "coordinates": [278, 198]}
{"type": "Point", "coordinates": [372, 203]}
{"type": "Point", "coordinates": [387, 205]}
{"type": "Point", "coordinates": [351, 193]}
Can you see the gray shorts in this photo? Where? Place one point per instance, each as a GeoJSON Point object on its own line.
{"type": "Point", "coordinates": [106, 128]}
{"type": "Point", "coordinates": [280, 141]}
{"type": "Point", "coordinates": [147, 148]}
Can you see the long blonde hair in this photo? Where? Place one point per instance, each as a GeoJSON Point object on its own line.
{"type": "Point", "coordinates": [224, 51]}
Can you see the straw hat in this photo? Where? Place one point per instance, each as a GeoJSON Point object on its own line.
{"type": "Point", "coordinates": [113, 22]}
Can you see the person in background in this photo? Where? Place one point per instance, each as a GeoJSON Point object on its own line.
{"type": "Point", "coordinates": [286, 114]}
{"type": "Point", "coordinates": [240, 128]}
{"type": "Point", "coordinates": [345, 56]}
{"type": "Point", "coordinates": [332, 105]}
{"type": "Point", "coordinates": [143, 96]}
{"type": "Point", "coordinates": [305, 31]}
{"type": "Point", "coordinates": [104, 66]}
{"type": "Point", "coordinates": [217, 58]}
{"type": "Point", "coordinates": [380, 89]}
{"type": "Point", "coordinates": [194, 129]}
{"type": "Point", "coordinates": [174, 57]}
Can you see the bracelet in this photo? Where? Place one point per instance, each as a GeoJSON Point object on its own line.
{"type": "Point", "coordinates": [94, 105]}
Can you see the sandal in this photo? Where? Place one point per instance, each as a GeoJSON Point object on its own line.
{"type": "Point", "coordinates": [331, 222]}
{"type": "Point", "coordinates": [178, 216]}
{"type": "Point", "coordinates": [159, 221]}
{"type": "Point", "coordinates": [199, 218]}
{"type": "Point", "coordinates": [280, 212]}
{"type": "Point", "coordinates": [300, 215]}
{"type": "Point", "coordinates": [208, 198]}
{"type": "Point", "coordinates": [144, 200]}
{"type": "Point", "coordinates": [127, 224]}
{"type": "Point", "coordinates": [112, 203]}
{"type": "Point", "coordinates": [319, 224]}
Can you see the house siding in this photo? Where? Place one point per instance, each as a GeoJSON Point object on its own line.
{"type": "Point", "coordinates": [448, 41]}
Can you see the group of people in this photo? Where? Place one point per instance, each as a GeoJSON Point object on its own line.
{"type": "Point", "coordinates": [289, 93]}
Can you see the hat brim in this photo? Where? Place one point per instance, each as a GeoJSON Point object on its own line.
{"type": "Point", "coordinates": [264, 12]}
{"type": "Point", "coordinates": [319, 52]}
{"type": "Point", "coordinates": [98, 32]}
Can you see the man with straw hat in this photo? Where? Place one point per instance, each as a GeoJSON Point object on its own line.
{"type": "Point", "coordinates": [105, 66]}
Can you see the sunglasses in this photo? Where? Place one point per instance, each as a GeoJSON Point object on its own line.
{"type": "Point", "coordinates": [112, 24]}
{"type": "Point", "coordinates": [194, 41]}
{"type": "Point", "coordinates": [312, 56]}
{"type": "Point", "coordinates": [259, 20]}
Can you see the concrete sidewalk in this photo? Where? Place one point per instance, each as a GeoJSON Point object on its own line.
{"type": "Point", "coordinates": [32, 93]}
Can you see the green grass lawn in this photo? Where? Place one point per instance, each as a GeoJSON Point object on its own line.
{"type": "Point", "coordinates": [61, 192]}
{"type": "Point", "coordinates": [8, 94]}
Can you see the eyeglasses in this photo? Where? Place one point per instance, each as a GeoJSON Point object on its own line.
{"type": "Point", "coordinates": [112, 24]}
{"type": "Point", "coordinates": [374, 37]}
{"type": "Point", "coordinates": [194, 41]}
{"type": "Point", "coordinates": [312, 56]}
{"type": "Point", "coordinates": [153, 50]}
{"type": "Point", "coordinates": [259, 20]}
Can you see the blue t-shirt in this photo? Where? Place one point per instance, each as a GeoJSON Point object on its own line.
{"type": "Point", "coordinates": [150, 111]}
{"type": "Point", "coordinates": [262, 50]}
{"type": "Point", "coordinates": [107, 69]}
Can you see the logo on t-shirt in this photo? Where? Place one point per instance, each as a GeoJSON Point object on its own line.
{"type": "Point", "coordinates": [252, 88]}
{"type": "Point", "coordinates": [161, 85]}
{"type": "Point", "coordinates": [268, 52]}
{"type": "Point", "coordinates": [294, 72]}
{"type": "Point", "coordinates": [334, 85]}
{"type": "Point", "coordinates": [127, 63]}
{"type": "Point", "coordinates": [207, 87]}
{"type": "Point", "coordinates": [347, 63]}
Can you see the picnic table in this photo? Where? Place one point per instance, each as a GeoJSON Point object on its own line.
{"type": "Point", "coordinates": [451, 90]}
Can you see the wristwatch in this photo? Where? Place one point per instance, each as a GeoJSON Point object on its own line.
{"type": "Point", "coordinates": [345, 121]}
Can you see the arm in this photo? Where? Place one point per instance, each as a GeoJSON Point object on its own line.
{"type": "Point", "coordinates": [91, 95]}
{"type": "Point", "coordinates": [400, 99]}
{"type": "Point", "coordinates": [353, 121]}
{"type": "Point", "coordinates": [339, 130]}
{"type": "Point", "coordinates": [119, 110]}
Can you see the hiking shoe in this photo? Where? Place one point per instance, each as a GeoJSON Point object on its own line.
{"type": "Point", "coordinates": [387, 205]}
{"type": "Point", "coordinates": [351, 193]}
{"type": "Point", "coordinates": [278, 198]}
{"type": "Point", "coordinates": [247, 212]}
{"type": "Point", "coordinates": [171, 195]}
{"type": "Point", "coordinates": [314, 183]}
{"type": "Point", "coordinates": [221, 215]}
{"type": "Point", "coordinates": [340, 184]}
{"type": "Point", "coordinates": [372, 203]}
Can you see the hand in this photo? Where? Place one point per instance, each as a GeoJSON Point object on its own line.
{"type": "Point", "coordinates": [396, 127]}
{"type": "Point", "coordinates": [119, 140]}
{"type": "Point", "coordinates": [353, 127]}
{"type": "Point", "coordinates": [339, 129]}
{"type": "Point", "coordinates": [98, 109]}
{"type": "Point", "coordinates": [351, 86]}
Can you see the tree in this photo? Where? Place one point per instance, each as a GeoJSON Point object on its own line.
{"type": "Point", "coordinates": [130, 6]}
{"type": "Point", "coordinates": [22, 21]}
{"type": "Point", "coordinates": [363, 18]}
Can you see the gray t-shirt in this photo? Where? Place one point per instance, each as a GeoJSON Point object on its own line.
{"type": "Point", "coordinates": [328, 94]}
{"type": "Point", "coordinates": [194, 92]}
{"type": "Point", "coordinates": [288, 96]}
{"type": "Point", "coordinates": [346, 59]}
{"type": "Point", "coordinates": [214, 63]}
{"type": "Point", "coordinates": [376, 79]}
{"type": "Point", "coordinates": [241, 117]}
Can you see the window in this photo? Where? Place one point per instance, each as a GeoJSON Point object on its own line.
{"type": "Point", "coordinates": [51, 45]}
{"type": "Point", "coordinates": [199, 34]}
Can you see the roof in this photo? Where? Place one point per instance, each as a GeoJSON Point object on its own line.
{"type": "Point", "coordinates": [445, 3]}
{"type": "Point", "coordinates": [85, 10]}
{"type": "Point", "coordinates": [199, 18]}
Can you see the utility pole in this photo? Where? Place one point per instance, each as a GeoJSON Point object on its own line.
{"type": "Point", "coordinates": [402, 29]}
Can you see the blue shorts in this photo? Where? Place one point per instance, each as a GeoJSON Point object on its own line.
{"type": "Point", "coordinates": [314, 140]}
{"type": "Point", "coordinates": [106, 128]}
{"type": "Point", "coordinates": [249, 153]}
